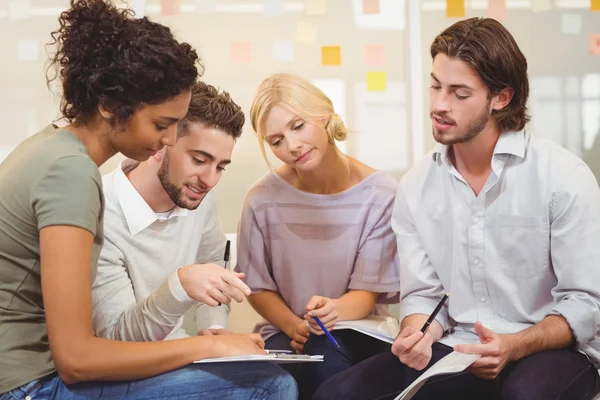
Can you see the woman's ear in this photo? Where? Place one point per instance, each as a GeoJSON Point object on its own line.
{"type": "Point", "coordinates": [104, 113]}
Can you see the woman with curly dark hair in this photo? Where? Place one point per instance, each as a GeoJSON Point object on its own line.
{"type": "Point", "coordinates": [126, 84]}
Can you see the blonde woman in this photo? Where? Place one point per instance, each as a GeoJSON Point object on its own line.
{"type": "Point", "coordinates": [315, 236]}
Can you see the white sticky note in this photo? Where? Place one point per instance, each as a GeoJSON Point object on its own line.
{"type": "Point", "coordinates": [138, 7]}
{"type": "Point", "coordinates": [28, 50]}
{"type": "Point", "coordinates": [283, 50]}
{"type": "Point", "coordinates": [315, 8]}
{"type": "Point", "coordinates": [19, 10]}
{"type": "Point", "coordinates": [540, 5]}
{"type": "Point", "coordinates": [273, 8]}
{"type": "Point", "coordinates": [306, 33]}
{"type": "Point", "coordinates": [572, 24]}
{"type": "Point", "coordinates": [206, 6]}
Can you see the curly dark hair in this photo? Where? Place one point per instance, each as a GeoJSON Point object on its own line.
{"type": "Point", "coordinates": [104, 56]}
{"type": "Point", "coordinates": [214, 108]}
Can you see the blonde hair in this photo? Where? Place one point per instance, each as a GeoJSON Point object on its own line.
{"type": "Point", "coordinates": [299, 97]}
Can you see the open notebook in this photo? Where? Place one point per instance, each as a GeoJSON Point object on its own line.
{"type": "Point", "coordinates": [277, 358]}
{"type": "Point", "coordinates": [379, 327]}
{"type": "Point", "coordinates": [451, 364]}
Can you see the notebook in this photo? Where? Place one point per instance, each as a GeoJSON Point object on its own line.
{"type": "Point", "coordinates": [379, 327]}
{"type": "Point", "coordinates": [451, 364]}
{"type": "Point", "coordinates": [277, 358]}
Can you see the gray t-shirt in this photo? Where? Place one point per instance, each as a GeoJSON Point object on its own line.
{"type": "Point", "coordinates": [300, 244]}
{"type": "Point", "coordinates": [49, 179]}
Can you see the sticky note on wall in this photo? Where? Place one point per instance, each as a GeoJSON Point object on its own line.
{"type": "Point", "coordinates": [370, 7]}
{"type": "Point", "coordinates": [595, 5]}
{"type": "Point", "coordinates": [19, 10]}
{"type": "Point", "coordinates": [572, 24]}
{"type": "Point", "coordinates": [273, 8]}
{"type": "Point", "coordinates": [376, 81]}
{"type": "Point", "coordinates": [375, 54]}
{"type": "Point", "coordinates": [331, 55]}
{"type": "Point", "coordinates": [306, 33]}
{"type": "Point", "coordinates": [240, 52]}
{"type": "Point", "coordinates": [496, 9]}
{"type": "Point", "coordinates": [28, 50]}
{"type": "Point", "coordinates": [283, 50]}
{"type": "Point", "coordinates": [595, 44]}
{"type": "Point", "coordinates": [315, 7]}
{"type": "Point", "coordinates": [540, 5]}
{"type": "Point", "coordinates": [455, 8]}
{"type": "Point", "coordinates": [169, 7]}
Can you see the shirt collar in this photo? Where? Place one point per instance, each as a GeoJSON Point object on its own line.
{"type": "Point", "coordinates": [138, 214]}
{"type": "Point", "coordinates": [514, 143]}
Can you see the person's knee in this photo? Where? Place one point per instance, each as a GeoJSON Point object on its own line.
{"type": "Point", "coordinates": [279, 383]}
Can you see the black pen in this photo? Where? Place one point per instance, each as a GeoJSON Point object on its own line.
{"type": "Point", "coordinates": [226, 255]}
{"type": "Point", "coordinates": [435, 312]}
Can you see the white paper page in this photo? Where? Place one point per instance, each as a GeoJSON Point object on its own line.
{"type": "Point", "coordinates": [380, 327]}
{"type": "Point", "coordinates": [272, 358]}
{"type": "Point", "coordinates": [453, 363]}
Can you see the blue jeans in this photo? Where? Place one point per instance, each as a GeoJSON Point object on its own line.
{"type": "Point", "coordinates": [550, 375]}
{"type": "Point", "coordinates": [354, 348]}
{"type": "Point", "coordinates": [231, 381]}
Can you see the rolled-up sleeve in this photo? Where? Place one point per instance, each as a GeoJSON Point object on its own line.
{"type": "Point", "coordinates": [575, 252]}
{"type": "Point", "coordinates": [420, 287]}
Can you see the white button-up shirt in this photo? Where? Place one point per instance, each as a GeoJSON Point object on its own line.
{"type": "Point", "coordinates": [526, 247]}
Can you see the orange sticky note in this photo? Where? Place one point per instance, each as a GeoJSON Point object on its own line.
{"type": "Point", "coordinates": [595, 44]}
{"type": "Point", "coordinates": [375, 54]}
{"type": "Point", "coordinates": [169, 7]}
{"type": "Point", "coordinates": [240, 52]}
{"type": "Point", "coordinates": [376, 81]}
{"type": "Point", "coordinates": [595, 5]}
{"type": "Point", "coordinates": [331, 55]}
{"type": "Point", "coordinates": [496, 9]}
{"type": "Point", "coordinates": [455, 8]}
{"type": "Point", "coordinates": [370, 7]}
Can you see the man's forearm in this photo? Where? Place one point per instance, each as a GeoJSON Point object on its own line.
{"type": "Point", "coordinates": [418, 320]}
{"type": "Point", "coordinates": [552, 333]}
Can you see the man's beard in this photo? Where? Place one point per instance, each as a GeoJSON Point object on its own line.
{"type": "Point", "coordinates": [473, 130]}
{"type": "Point", "coordinates": [176, 194]}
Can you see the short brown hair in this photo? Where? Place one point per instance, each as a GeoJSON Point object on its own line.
{"type": "Point", "coordinates": [490, 49]}
{"type": "Point", "coordinates": [213, 108]}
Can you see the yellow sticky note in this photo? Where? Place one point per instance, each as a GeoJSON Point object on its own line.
{"type": "Point", "coordinates": [240, 52]}
{"type": "Point", "coordinates": [375, 54]}
{"type": "Point", "coordinates": [496, 9]}
{"type": "Point", "coordinates": [169, 7]}
{"type": "Point", "coordinates": [455, 8]}
{"type": "Point", "coordinates": [595, 5]}
{"type": "Point", "coordinates": [370, 7]}
{"type": "Point", "coordinates": [376, 81]}
{"type": "Point", "coordinates": [331, 55]}
{"type": "Point", "coordinates": [315, 7]}
{"type": "Point", "coordinates": [306, 33]}
{"type": "Point", "coordinates": [595, 44]}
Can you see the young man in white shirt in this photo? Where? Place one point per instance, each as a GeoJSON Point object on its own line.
{"type": "Point", "coordinates": [508, 224]}
{"type": "Point", "coordinates": [164, 245]}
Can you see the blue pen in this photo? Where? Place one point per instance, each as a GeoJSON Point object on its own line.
{"type": "Point", "coordinates": [318, 321]}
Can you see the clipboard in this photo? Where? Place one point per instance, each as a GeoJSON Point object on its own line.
{"type": "Point", "coordinates": [272, 357]}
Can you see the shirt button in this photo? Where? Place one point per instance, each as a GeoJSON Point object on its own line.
{"type": "Point", "coordinates": [476, 261]}
{"type": "Point", "coordinates": [482, 299]}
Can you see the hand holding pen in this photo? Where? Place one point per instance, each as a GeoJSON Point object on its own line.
{"type": "Point", "coordinates": [323, 308]}
{"type": "Point", "coordinates": [414, 347]}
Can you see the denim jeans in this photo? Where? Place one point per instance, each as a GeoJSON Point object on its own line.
{"type": "Point", "coordinates": [354, 348]}
{"type": "Point", "coordinates": [550, 375]}
{"type": "Point", "coordinates": [227, 381]}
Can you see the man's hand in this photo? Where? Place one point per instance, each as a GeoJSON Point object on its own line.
{"type": "Point", "coordinates": [496, 352]}
{"type": "Point", "coordinates": [300, 336]}
{"type": "Point", "coordinates": [212, 284]}
{"type": "Point", "coordinates": [412, 348]}
{"type": "Point", "coordinates": [213, 332]}
{"type": "Point", "coordinates": [325, 309]}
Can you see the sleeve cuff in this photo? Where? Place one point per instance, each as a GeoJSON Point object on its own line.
{"type": "Point", "coordinates": [215, 326]}
{"type": "Point", "coordinates": [584, 329]}
{"type": "Point", "coordinates": [423, 305]}
{"type": "Point", "coordinates": [176, 289]}
{"type": "Point", "coordinates": [207, 317]}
